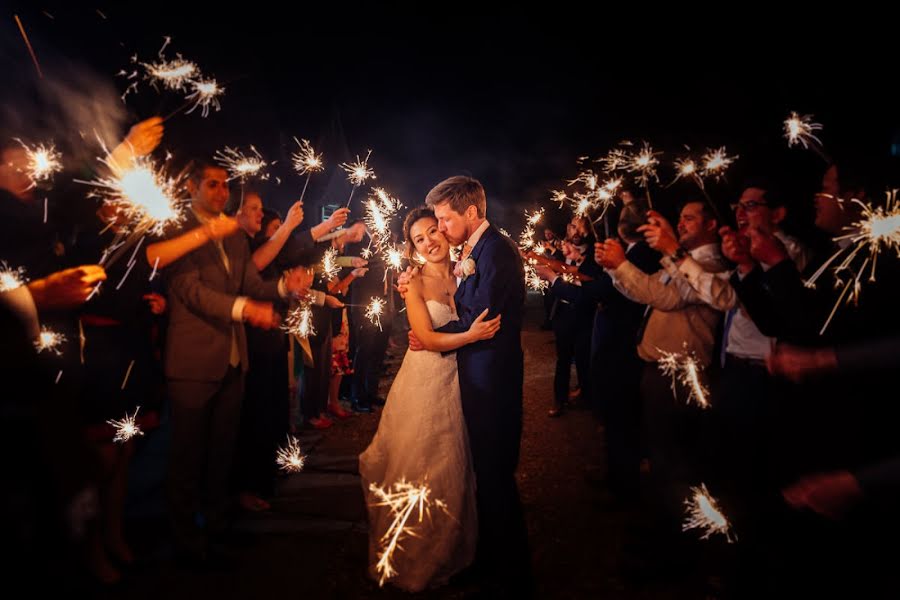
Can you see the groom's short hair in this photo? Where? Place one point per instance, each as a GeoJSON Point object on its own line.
{"type": "Point", "coordinates": [460, 192]}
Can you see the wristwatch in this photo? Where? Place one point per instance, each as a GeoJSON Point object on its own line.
{"type": "Point", "coordinates": [679, 254]}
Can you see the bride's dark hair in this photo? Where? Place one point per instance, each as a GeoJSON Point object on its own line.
{"type": "Point", "coordinates": [412, 216]}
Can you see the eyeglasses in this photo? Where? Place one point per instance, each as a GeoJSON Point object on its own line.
{"type": "Point", "coordinates": [748, 206]}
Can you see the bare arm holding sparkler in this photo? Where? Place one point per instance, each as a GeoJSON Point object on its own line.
{"type": "Point", "coordinates": [337, 219]}
{"type": "Point", "coordinates": [65, 290]}
{"type": "Point", "coordinates": [164, 253]}
{"type": "Point", "coordinates": [266, 253]}
{"type": "Point", "coordinates": [420, 324]}
{"type": "Point", "coordinates": [341, 287]}
{"type": "Point", "coordinates": [142, 139]}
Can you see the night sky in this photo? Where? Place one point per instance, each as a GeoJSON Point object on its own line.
{"type": "Point", "coordinates": [513, 100]}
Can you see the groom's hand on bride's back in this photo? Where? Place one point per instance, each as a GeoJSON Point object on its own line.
{"type": "Point", "coordinates": [414, 344]}
{"type": "Point", "coordinates": [403, 285]}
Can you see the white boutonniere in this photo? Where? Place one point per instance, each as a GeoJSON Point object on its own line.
{"type": "Point", "coordinates": [468, 268]}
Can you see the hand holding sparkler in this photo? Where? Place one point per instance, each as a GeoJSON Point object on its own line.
{"type": "Point", "coordinates": [798, 364]}
{"type": "Point", "coordinates": [828, 494]}
{"type": "Point", "coordinates": [298, 280]}
{"type": "Point", "coordinates": [144, 137]}
{"type": "Point", "coordinates": [544, 272]}
{"type": "Point", "coordinates": [294, 215]}
{"type": "Point", "coordinates": [68, 289]}
{"type": "Point", "coordinates": [557, 266]}
{"type": "Point", "coordinates": [765, 247]}
{"type": "Point", "coordinates": [221, 227]}
{"type": "Point", "coordinates": [337, 219]}
{"type": "Point", "coordinates": [260, 314]}
{"type": "Point", "coordinates": [659, 234]}
{"type": "Point", "coordinates": [736, 248]}
{"type": "Point", "coordinates": [156, 302]}
{"type": "Point", "coordinates": [610, 254]}
{"type": "Point", "coordinates": [333, 303]}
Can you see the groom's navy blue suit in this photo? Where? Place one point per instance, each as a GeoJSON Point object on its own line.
{"type": "Point", "coordinates": [490, 380]}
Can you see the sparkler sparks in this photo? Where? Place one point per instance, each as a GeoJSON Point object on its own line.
{"type": "Point", "coordinates": [143, 193]}
{"type": "Point", "coordinates": [359, 172]}
{"type": "Point", "coordinates": [403, 499]}
{"type": "Point", "coordinates": [299, 322]}
{"type": "Point", "coordinates": [126, 428]}
{"type": "Point", "coordinates": [703, 513]}
{"type": "Point", "coordinates": [374, 311]}
{"type": "Point", "coordinates": [240, 166]}
{"type": "Point", "coordinates": [715, 162]}
{"type": "Point", "coordinates": [533, 280]}
{"type": "Point", "coordinates": [306, 160]}
{"type": "Point", "coordinates": [330, 268]}
{"type": "Point", "coordinates": [684, 369]}
{"type": "Point", "coordinates": [11, 278]}
{"type": "Point", "coordinates": [205, 95]}
{"type": "Point", "coordinates": [49, 340]}
{"type": "Point", "coordinates": [291, 458]}
{"type": "Point", "coordinates": [43, 162]}
{"type": "Point", "coordinates": [801, 130]}
{"type": "Point", "coordinates": [559, 196]}
{"type": "Point", "coordinates": [877, 230]}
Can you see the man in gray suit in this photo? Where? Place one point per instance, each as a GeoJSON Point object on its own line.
{"type": "Point", "coordinates": [212, 291]}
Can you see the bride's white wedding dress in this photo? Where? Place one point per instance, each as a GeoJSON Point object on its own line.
{"type": "Point", "coordinates": [422, 439]}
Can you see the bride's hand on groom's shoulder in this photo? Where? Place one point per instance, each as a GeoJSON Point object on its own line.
{"type": "Point", "coordinates": [404, 279]}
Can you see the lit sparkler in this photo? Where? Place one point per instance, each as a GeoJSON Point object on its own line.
{"type": "Point", "coordinates": [43, 162]}
{"type": "Point", "coordinates": [240, 166]}
{"type": "Point", "coordinates": [299, 322]}
{"type": "Point", "coordinates": [126, 428]}
{"type": "Point", "coordinates": [684, 369]}
{"type": "Point", "coordinates": [374, 311]}
{"type": "Point", "coordinates": [205, 94]}
{"type": "Point", "coordinates": [330, 268]}
{"type": "Point", "coordinates": [715, 162]}
{"type": "Point", "coordinates": [291, 458]}
{"type": "Point", "coordinates": [404, 500]}
{"type": "Point", "coordinates": [49, 340]}
{"type": "Point", "coordinates": [703, 513]}
{"type": "Point", "coordinates": [358, 173]}
{"type": "Point", "coordinates": [11, 278]}
{"type": "Point", "coordinates": [877, 229]}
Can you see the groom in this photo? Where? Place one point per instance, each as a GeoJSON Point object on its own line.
{"type": "Point", "coordinates": [490, 275]}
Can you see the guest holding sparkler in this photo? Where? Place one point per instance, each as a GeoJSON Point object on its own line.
{"type": "Point", "coordinates": [573, 314]}
{"type": "Point", "coordinates": [675, 321]}
{"type": "Point", "coordinates": [206, 361]}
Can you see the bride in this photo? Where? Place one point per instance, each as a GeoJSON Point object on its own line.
{"type": "Point", "coordinates": [421, 438]}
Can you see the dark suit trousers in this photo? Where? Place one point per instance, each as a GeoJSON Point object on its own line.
{"type": "Point", "coordinates": [371, 346]}
{"type": "Point", "coordinates": [205, 422]}
{"type": "Point", "coordinates": [617, 370]}
{"type": "Point", "coordinates": [673, 433]}
{"type": "Point", "coordinates": [314, 397]}
{"type": "Point", "coordinates": [573, 341]}
{"type": "Point", "coordinates": [264, 413]}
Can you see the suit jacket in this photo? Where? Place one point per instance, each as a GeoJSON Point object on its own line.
{"type": "Point", "coordinates": [201, 295]}
{"type": "Point", "coordinates": [491, 371]}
